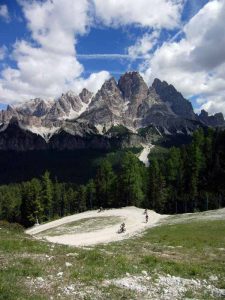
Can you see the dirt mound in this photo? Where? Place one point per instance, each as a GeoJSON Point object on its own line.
{"type": "Point", "coordinates": [132, 216]}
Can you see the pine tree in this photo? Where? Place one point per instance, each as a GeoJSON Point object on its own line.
{"type": "Point", "coordinates": [47, 195]}
{"type": "Point", "coordinates": [173, 178]}
{"type": "Point", "coordinates": [157, 187]}
{"type": "Point", "coordinates": [82, 198]}
{"type": "Point", "coordinates": [91, 194]}
{"type": "Point", "coordinates": [131, 183]}
{"type": "Point", "coordinates": [31, 206]}
{"type": "Point", "coordinates": [105, 184]}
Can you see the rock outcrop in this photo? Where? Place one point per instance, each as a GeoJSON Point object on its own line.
{"type": "Point", "coordinates": [216, 120]}
{"type": "Point", "coordinates": [169, 95]}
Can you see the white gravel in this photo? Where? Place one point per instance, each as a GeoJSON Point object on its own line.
{"type": "Point", "coordinates": [144, 154]}
{"type": "Point", "coordinates": [166, 287]}
{"type": "Point", "coordinates": [132, 216]}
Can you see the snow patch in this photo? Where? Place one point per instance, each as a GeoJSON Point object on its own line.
{"type": "Point", "coordinates": [44, 132]}
{"type": "Point", "coordinates": [166, 131]}
{"type": "Point", "coordinates": [180, 132]}
{"type": "Point", "coordinates": [126, 106]}
{"type": "Point", "coordinates": [158, 131]}
{"type": "Point", "coordinates": [75, 114]}
{"type": "Point", "coordinates": [85, 106]}
{"type": "Point", "coordinates": [100, 128]}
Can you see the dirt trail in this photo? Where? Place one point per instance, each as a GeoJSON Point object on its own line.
{"type": "Point", "coordinates": [132, 216]}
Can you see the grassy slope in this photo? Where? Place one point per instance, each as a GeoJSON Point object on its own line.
{"type": "Point", "coordinates": [191, 250]}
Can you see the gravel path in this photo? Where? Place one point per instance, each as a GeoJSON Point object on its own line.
{"type": "Point", "coordinates": [132, 216]}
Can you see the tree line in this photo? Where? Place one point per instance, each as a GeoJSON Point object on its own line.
{"type": "Point", "coordinates": [186, 179]}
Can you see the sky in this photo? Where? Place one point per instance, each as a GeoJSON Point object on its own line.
{"type": "Point", "coordinates": [48, 47]}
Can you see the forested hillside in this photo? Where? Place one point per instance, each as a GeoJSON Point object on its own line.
{"type": "Point", "coordinates": [185, 179]}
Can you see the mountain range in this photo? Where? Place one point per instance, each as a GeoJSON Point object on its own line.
{"type": "Point", "coordinates": [122, 114]}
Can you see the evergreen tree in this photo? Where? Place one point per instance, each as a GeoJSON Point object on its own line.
{"type": "Point", "coordinates": [105, 184]}
{"type": "Point", "coordinates": [31, 207]}
{"type": "Point", "coordinates": [82, 198]}
{"type": "Point", "coordinates": [157, 187]}
{"type": "Point", "coordinates": [173, 178]}
{"type": "Point", "coordinates": [91, 194]}
{"type": "Point", "coordinates": [47, 195]}
{"type": "Point", "coordinates": [131, 181]}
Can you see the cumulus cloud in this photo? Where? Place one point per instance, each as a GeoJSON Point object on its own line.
{"type": "Point", "coordinates": [48, 66]}
{"type": "Point", "coordinates": [144, 45]}
{"type": "Point", "coordinates": [4, 13]}
{"type": "Point", "coordinates": [3, 51]}
{"type": "Point", "coordinates": [196, 63]}
{"type": "Point", "coordinates": [151, 13]}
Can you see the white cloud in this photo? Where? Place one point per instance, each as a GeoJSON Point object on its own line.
{"type": "Point", "coordinates": [144, 45]}
{"type": "Point", "coordinates": [195, 64]}
{"type": "Point", "coordinates": [48, 66]}
{"type": "Point", "coordinates": [53, 24]}
{"type": "Point", "coordinates": [4, 13]}
{"type": "Point", "coordinates": [3, 51]}
{"type": "Point", "coordinates": [93, 83]}
{"type": "Point", "coordinates": [151, 13]}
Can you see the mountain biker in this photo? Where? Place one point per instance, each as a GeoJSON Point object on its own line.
{"type": "Point", "coordinates": [122, 227]}
{"type": "Point", "coordinates": [146, 218]}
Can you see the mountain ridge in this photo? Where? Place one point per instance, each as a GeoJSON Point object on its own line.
{"type": "Point", "coordinates": [129, 103]}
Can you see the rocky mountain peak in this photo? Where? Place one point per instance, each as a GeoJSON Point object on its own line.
{"type": "Point", "coordinates": [110, 84]}
{"type": "Point", "coordinates": [41, 109]}
{"type": "Point", "coordinates": [168, 94]}
{"type": "Point", "coordinates": [214, 120]}
{"type": "Point", "coordinates": [10, 109]}
{"type": "Point", "coordinates": [219, 117]}
{"type": "Point", "coordinates": [85, 95]}
{"type": "Point", "coordinates": [133, 87]}
{"type": "Point", "coordinates": [204, 114]}
{"type": "Point", "coordinates": [66, 106]}
{"type": "Point", "coordinates": [158, 84]}
{"type": "Point", "coordinates": [35, 107]}
{"type": "Point", "coordinates": [109, 90]}
{"type": "Point", "coordinates": [129, 103]}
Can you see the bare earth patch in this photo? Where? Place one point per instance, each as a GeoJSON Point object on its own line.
{"type": "Point", "coordinates": [132, 216]}
{"type": "Point", "coordinates": [84, 225]}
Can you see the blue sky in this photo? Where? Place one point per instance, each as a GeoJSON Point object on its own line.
{"type": "Point", "coordinates": [47, 47]}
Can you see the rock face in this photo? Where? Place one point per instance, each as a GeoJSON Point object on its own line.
{"type": "Point", "coordinates": [106, 106]}
{"type": "Point", "coordinates": [216, 120]}
{"type": "Point", "coordinates": [133, 88]}
{"type": "Point", "coordinates": [174, 99]}
{"type": "Point", "coordinates": [14, 137]}
{"type": "Point", "coordinates": [111, 117]}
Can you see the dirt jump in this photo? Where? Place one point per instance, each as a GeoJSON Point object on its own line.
{"type": "Point", "coordinates": [90, 232]}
